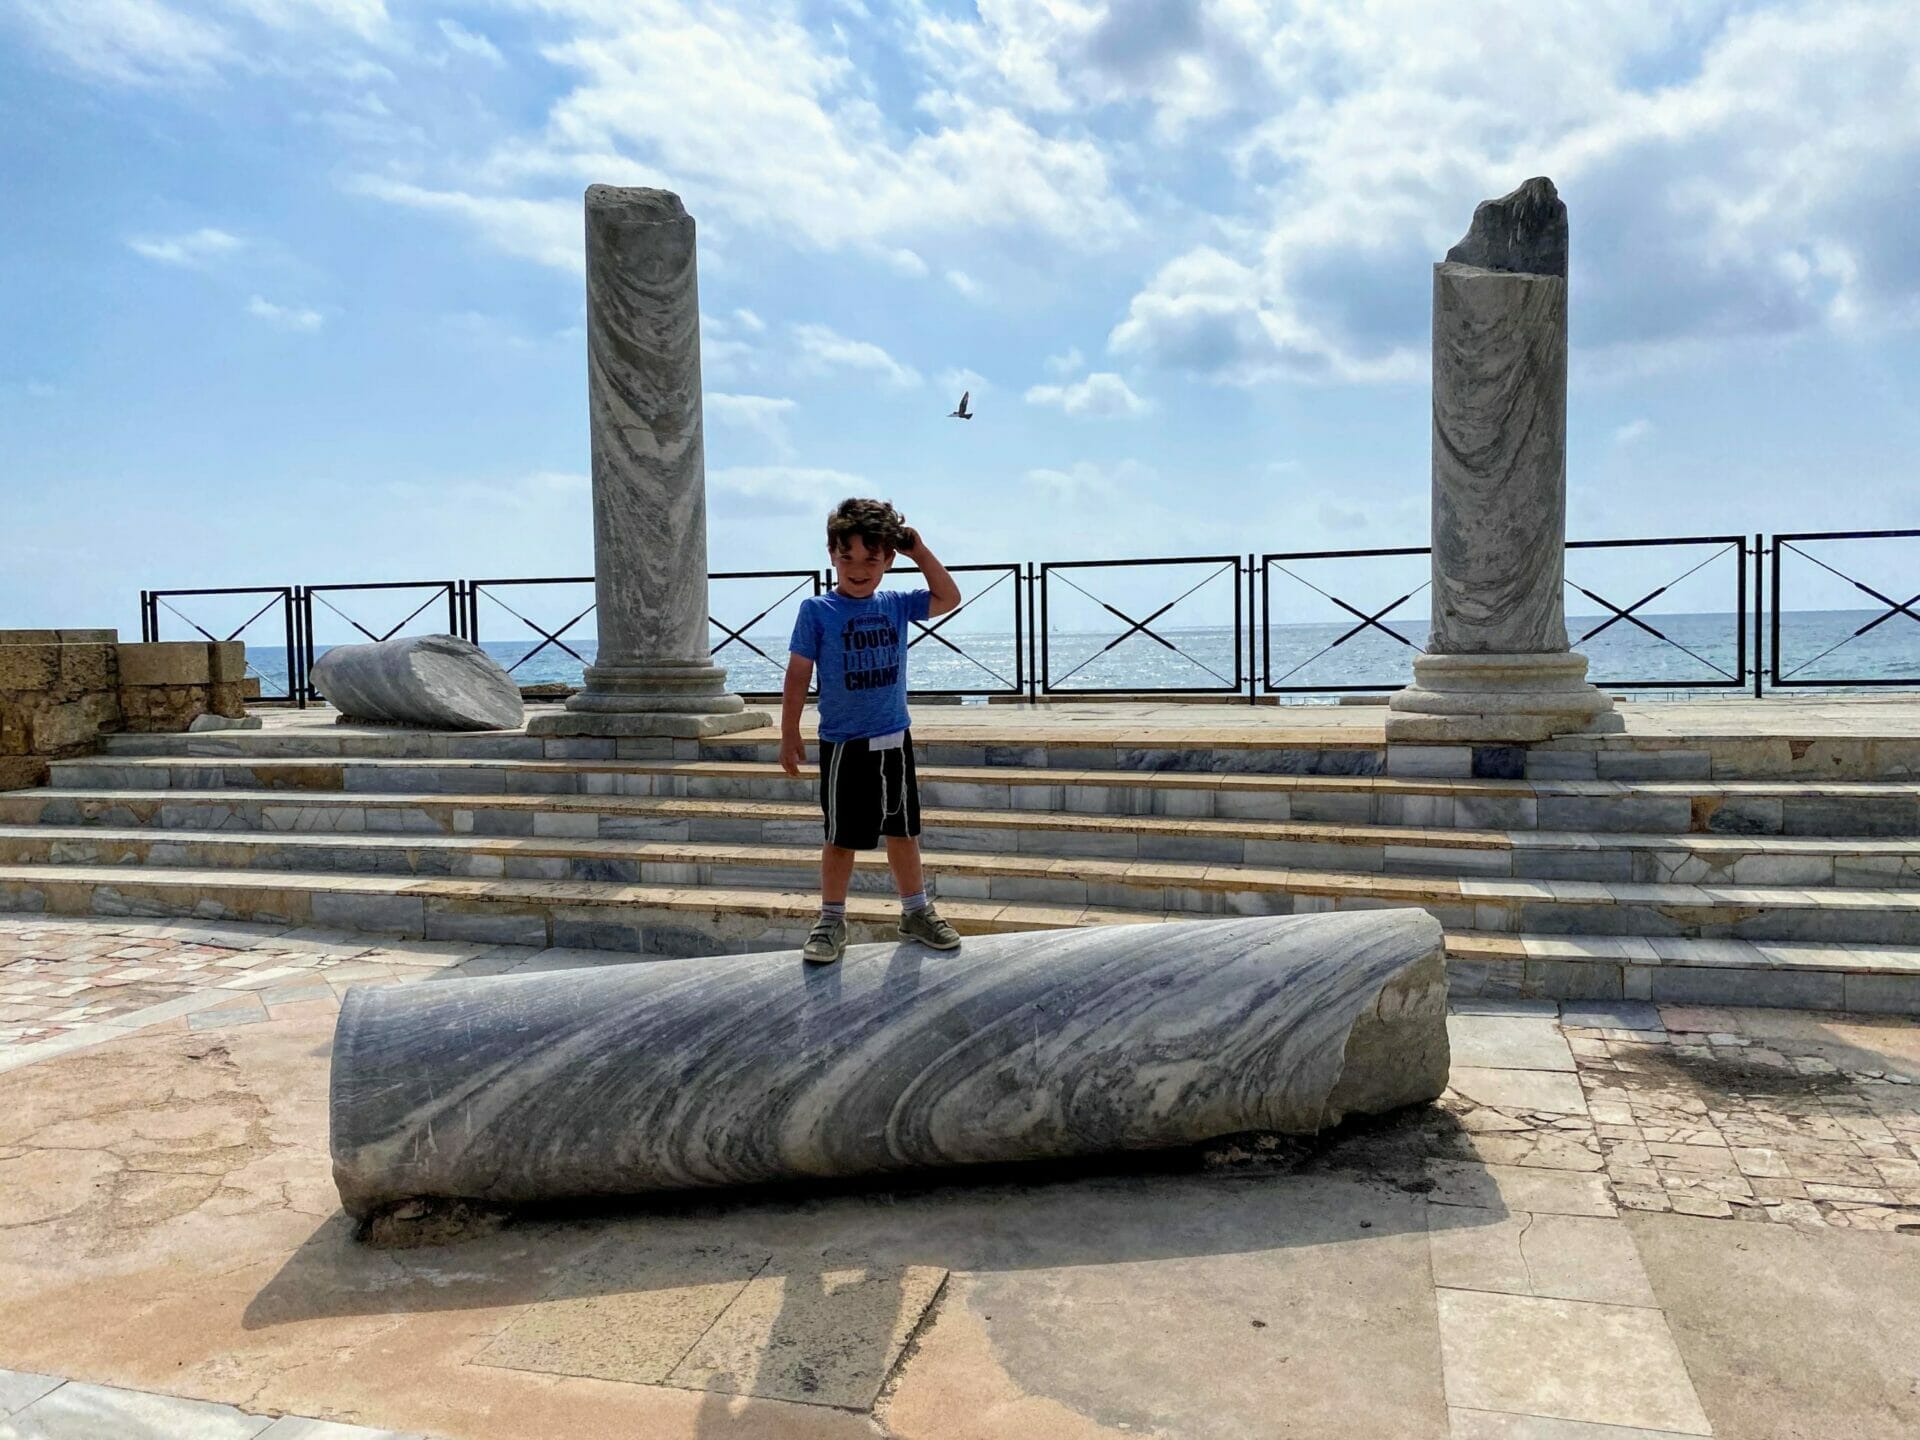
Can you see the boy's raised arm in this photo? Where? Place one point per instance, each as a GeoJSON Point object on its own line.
{"type": "Point", "coordinates": [940, 584]}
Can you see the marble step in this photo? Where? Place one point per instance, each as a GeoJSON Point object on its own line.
{"type": "Point", "coordinates": [1890, 808]}
{"type": "Point", "coordinates": [1814, 749]}
{"type": "Point", "coordinates": [1369, 848]}
{"type": "Point", "coordinates": [1268, 751]}
{"type": "Point", "coordinates": [680, 920]}
{"type": "Point", "coordinates": [1570, 907]}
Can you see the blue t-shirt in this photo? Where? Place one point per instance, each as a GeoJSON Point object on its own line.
{"type": "Point", "coordinates": [859, 650]}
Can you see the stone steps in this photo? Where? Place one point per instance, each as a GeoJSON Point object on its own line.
{"type": "Point", "coordinates": [1153, 887]}
{"type": "Point", "coordinates": [1730, 870]}
{"type": "Point", "coordinates": [1816, 861]}
{"type": "Point", "coordinates": [679, 920]}
{"type": "Point", "coordinates": [1743, 807]}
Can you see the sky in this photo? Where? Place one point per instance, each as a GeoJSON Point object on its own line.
{"type": "Point", "coordinates": [293, 288]}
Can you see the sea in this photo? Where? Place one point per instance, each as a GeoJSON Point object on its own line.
{"type": "Point", "coordinates": [1678, 655]}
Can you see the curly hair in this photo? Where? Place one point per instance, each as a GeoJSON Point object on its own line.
{"type": "Point", "coordinates": [875, 523]}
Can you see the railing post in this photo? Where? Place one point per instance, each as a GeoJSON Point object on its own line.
{"type": "Point", "coordinates": [1759, 608]}
{"type": "Point", "coordinates": [1253, 695]}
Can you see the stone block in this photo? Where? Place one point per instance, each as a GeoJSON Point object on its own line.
{"type": "Point", "coordinates": [29, 669]}
{"type": "Point", "coordinates": [89, 667]}
{"type": "Point", "coordinates": [16, 732]}
{"type": "Point", "coordinates": [164, 662]}
{"type": "Point", "coordinates": [59, 728]}
{"type": "Point", "coordinates": [228, 698]}
{"type": "Point", "coordinates": [22, 772]}
{"type": "Point", "coordinates": [1449, 762]}
{"type": "Point", "coordinates": [227, 661]}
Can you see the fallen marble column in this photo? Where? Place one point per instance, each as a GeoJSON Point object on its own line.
{"type": "Point", "coordinates": [435, 680]}
{"type": "Point", "coordinates": [650, 1076]}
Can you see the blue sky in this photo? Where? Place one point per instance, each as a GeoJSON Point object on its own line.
{"type": "Point", "coordinates": [293, 287]}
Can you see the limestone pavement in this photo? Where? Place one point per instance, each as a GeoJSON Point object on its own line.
{"type": "Point", "coordinates": [1554, 1252]}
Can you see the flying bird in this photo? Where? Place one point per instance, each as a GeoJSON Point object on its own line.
{"type": "Point", "coordinates": [962, 413]}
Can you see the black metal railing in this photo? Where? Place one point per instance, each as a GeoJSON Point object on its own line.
{"type": "Point", "coordinates": [1215, 567]}
{"type": "Point", "coordinates": [1208, 625]}
{"type": "Point", "coordinates": [1008, 671]}
{"type": "Point", "coordinates": [1725, 547]}
{"type": "Point", "coordinates": [1842, 632]}
{"type": "Point", "coordinates": [1358, 622]}
{"type": "Point", "coordinates": [285, 597]}
{"type": "Point", "coordinates": [1402, 631]}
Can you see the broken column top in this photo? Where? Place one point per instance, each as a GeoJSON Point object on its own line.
{"type": "Point", "coordinates": [1524, 233]}
{"type": "Point", "coordinates": [638, 203]}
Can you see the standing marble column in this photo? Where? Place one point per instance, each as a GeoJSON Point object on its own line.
{"type": "Point", "coordinates": [654, 673]}
{"type": "Point", "coordinates": [1497, 666]}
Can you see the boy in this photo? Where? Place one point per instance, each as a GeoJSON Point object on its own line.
{"type": "Point", "coordinates": [859, 640]}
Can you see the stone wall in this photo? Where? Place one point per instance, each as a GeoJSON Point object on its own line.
{"type": "Point", "coordinates": [60, 690]}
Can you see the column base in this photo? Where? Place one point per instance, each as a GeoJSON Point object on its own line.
{"type": "Point", "coordinates": [1516, 699]}
{"type": "Point", "coordinates": [687, 699]}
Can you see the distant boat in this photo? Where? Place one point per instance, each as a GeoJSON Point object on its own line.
{"type": "Point", "coordinates": [962, 413]}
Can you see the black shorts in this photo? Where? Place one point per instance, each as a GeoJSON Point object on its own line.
{"type": "Point", "coordinates": [865, 793]}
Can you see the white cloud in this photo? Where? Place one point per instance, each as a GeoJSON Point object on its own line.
{"type": "Point", "coordinates": [128, 42]}
{"type": "Point", "coordinates": [1067, 364]}
{"type": "Point", "coordinates": [1210, 314]}
{"type": "Point", "coordinates": [764, 415]}
{"type": "Point", "coordinates": [194, 248]}
{"type": "Point", "coordinates": [785, 489]}
{"type": "Point", "coordinates": [1100, 396]}
{"type": "Point", "coordinates": [762, 123]}
{"type": "Point", "coordinates": [467, 42]}
{"type": "Point", "coordinates": [1079, 482]}
{"type": "Point", "coordinates": [749, 321]}
{"type": "Point", "coordinates": [286, 317]}
{"type": "Point", "coordinates": [1722, 185]}
{"type": "Point", "coordinates": [547, 231]}
{"type": "Point", "coordinates": [1633, 431]}
{"type": "Point", "coordinates": [822, 348]}
{"type": "Point", "coordinates": [150, 43]}
{"type": "Point", "coordinates": [966, 285]}
{"type": "Point", "coordinates": [958, 378]}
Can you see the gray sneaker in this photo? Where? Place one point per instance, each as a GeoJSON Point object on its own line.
{"type": "Point", "coordinates": [926, 926]}
{"type": "Point", "coordinates": [827, 943]}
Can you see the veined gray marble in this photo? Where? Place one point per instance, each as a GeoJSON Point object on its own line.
{"type": "Point", "coordinates": [654, 673]}
{"type": "Point", "coordinates": [743, 1069]}
{"type": "Point", "coordinates": [1499, 461]}
{"type": "Point", "coordinates": [436, 680]}
{"type": "Point", "coordinates": [1498, 666]}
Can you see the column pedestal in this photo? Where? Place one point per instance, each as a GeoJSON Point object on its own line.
{"type": "Point", "coordinates": [1511, 699]}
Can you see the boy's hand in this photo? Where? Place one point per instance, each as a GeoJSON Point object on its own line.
{"type": "Point", "coordinates": [909, 540]}
{"type": "Point", "coordinates": [793, 751]}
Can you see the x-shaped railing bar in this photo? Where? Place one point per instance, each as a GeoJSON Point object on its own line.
{"type": "Point", "coordinates": [932, 632]}
{"type": "Point", "coordinates": [1633, 619]}
{"type": "Point", "coordinates": [314, 594]}
{"type": "Point", "coordinates": [547, 637]}
{"type": "Point", "coordinates": [1145, 627]}
{"type": "Point", "coordinates": [741, 635]}
{"type": "Point", "coordinates": [1367, 622]}
{"type": "Point", "coordinates": [235, 635]}
{"type": "Point", "coordinates": [1894, 607]}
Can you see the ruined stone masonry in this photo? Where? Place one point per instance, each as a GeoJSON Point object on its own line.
{"type": "Point", "coordinates": [60, 690]}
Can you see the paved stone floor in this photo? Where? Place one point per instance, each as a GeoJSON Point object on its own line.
{"type": "Point", "coordinates": [1624, 1221]}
